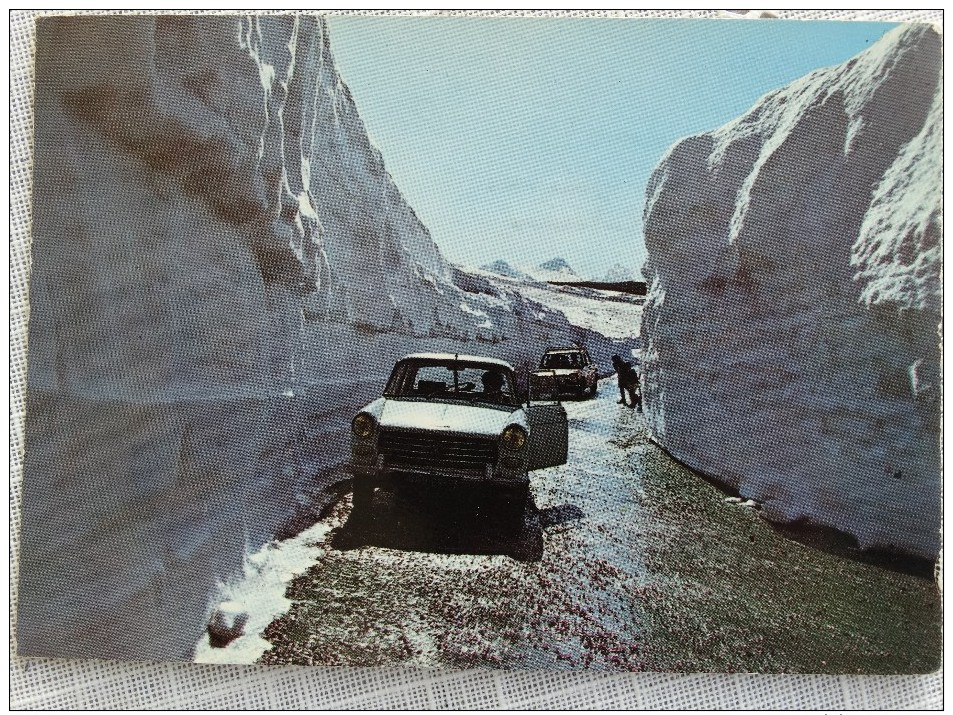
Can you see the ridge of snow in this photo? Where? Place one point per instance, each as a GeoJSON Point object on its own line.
{"type": "Point", "coordinates": [243, 273]}
{"type": "Point", "coordinates": [791, 323]}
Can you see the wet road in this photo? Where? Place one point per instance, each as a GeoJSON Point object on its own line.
{"type": "Point", "coordinates": [626, 561]}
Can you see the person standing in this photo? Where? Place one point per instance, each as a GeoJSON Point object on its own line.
{"type": "Point", "coordinates": [628, 383]}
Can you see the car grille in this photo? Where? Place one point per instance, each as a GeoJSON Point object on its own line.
{"type": "Point", "coordinates": [429, 450]}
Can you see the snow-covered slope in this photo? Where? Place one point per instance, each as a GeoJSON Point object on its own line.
{"type": "Point", "coordinates": [223, 271]}
{"type": "Point", "coordinates": [614, 316]}
{"type": "Point", "coordinates": [791, 325]}
{"type": "Point", "coordinates": [607, 322]}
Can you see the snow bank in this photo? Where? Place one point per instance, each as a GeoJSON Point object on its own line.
{"type": "Point", "coordinates": [223, 271]}
{"type": "Point", "coordinates": [791, 326]}
{"type": "Point", "coordinates": [162, 333]}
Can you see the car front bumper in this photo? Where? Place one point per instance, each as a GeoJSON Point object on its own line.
{"type": "Point", "coordinates": [382, 473]}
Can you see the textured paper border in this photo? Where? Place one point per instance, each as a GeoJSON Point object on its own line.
{"type": "Point", "coordinates": [61, 684]}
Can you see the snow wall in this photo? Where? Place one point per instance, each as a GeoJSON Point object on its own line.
{"type": "Point", "coordinates": [791, 327]}
{"type": "Point", "coordinates": [223, 272]}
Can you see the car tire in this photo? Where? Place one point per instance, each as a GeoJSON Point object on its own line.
{"type": "Point", "coordinates": [515, 503]}
{"type": "Point", "coordinates": [363, 495]}
{"type": "Point", "coordinates": [528, 546]}
{"type": "Point", "coordinates": [594, 390]}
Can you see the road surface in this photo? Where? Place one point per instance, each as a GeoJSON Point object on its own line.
{"type": "Point", "coordinates": [626, 561]}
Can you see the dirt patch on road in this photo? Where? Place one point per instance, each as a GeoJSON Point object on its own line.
{"type": "Point", "coordinates": [733, 594]}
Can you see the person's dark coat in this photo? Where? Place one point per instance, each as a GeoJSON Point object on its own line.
{"type": "Point", "coordinates": [628, 382]}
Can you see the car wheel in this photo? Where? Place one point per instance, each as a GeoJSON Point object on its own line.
{"type": "Point", "coordinates": [515, 502]}
{"type": "Point", "coordinates": [528, 547]}
{"type": "Point", "coordinates": [363, 495]}
{"type": "Point", "coordinates": [594, 389]}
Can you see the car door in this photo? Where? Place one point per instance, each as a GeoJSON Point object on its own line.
{"type": "Point", "coordinates": [548, 425]}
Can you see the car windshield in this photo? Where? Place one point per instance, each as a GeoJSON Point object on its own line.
{"type": "Point", "coordinates": [561, 361]}
{"type": "Point", "coordinates": [454, 380]}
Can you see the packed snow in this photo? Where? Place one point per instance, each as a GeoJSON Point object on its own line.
{"type": "Point", "coordinates": [794, 259]}
{"type": "Point", "coordinates": [615, 315]}
{"type": "Point", "coordinates": [223, 271]}
{"type": "Point", "coordinates": [258, 592]}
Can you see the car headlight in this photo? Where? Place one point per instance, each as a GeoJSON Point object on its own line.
{"type": "Point", "coordinates": [513, 438]}
{"type": "Point", "coordinates": [363, 426]}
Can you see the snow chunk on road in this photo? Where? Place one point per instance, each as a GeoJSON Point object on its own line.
{"type": "Point", "coordinates": [260, 593]}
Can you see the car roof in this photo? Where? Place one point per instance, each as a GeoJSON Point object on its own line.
{"type": "Point", "coordinates": [444, 357]}
{"type": "Point", "coordinates": [565, 350]}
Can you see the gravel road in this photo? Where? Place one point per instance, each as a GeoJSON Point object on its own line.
{"type": "Point", "coordinates": [626, 561]}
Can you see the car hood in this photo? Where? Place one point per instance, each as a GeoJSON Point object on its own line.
{"type": "Point", "coordinates": [447, 417]}
{"type": "Point", "coordinates": [559, 373]}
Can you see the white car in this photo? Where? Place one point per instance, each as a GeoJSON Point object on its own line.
{"type": "Point", "coordinates": [455, 418]}
{"type": "Point", "coordinates": [576, 373]}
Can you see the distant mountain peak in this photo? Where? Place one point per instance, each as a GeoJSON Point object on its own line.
{"type": "Point", "coordinates": [619, 273]}
{"type": "Point", "coordinates": [556, 269]}
{"type": "Point", "coordinates": [502, 268]}
{"type": "Point", "coordinates": [557, 265]}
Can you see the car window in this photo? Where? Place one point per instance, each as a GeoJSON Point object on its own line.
{"type": "Point", "coordinates": [561, 361]}
{"type": "Point", "coordinates": [453, 381]}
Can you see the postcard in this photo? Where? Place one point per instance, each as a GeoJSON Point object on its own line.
{"type": "Point", "coordinates": [537, 343]}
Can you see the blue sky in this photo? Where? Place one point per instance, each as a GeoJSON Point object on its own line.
{"type": "Point", "coordinates": [530, 138]}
